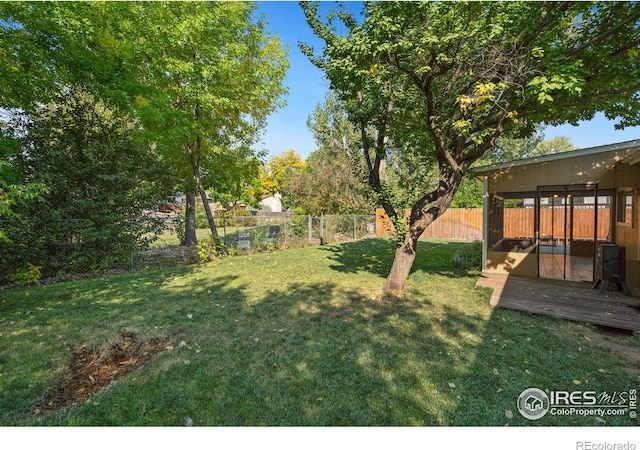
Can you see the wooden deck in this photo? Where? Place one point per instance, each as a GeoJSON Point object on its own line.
{"type": "Point", "coordinates": [565, 299]}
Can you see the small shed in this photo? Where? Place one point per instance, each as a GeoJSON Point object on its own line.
{"type": "Point", "coordinates": [551, 216]}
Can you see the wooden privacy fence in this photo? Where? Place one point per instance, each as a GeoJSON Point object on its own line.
{"type": "Point", "coordinates": [519, 222]}
{"type": "Point", "coordinates": [456, 223]}
{"type": "Point", "coordinates": [466, 223]}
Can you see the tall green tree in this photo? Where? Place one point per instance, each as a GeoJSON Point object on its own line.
{"type": "Point", "coordinates": [200, 76]}
{"type": "Point", "coordinates": [470, 193]}
{"type": "Point", "coordinates": [235, 175]}
{"type": "Point", "coordinates": [511, 148]}
{"type": "Point", "coordinates": [332, 181]}
{"type": "Point", "coordinates": [48, 46]}
{"type": "Point", "coordinates": [557, 144]}
{"type": "Point", "coordinates": [217, 77]}
{"type": "Point", "coordinates": [99, 181]}
{"type": "Point", "coordinates": [444, 80]}
{"type": "Point", "coordinates": [15, 194]}
{"type": "Point", "coordinates": [328, 186]}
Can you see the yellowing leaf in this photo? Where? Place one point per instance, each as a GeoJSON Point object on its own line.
{"type": "Point", "coordinates": [537, 52]}
{"type": "Point", "coordinates": [140, 101]}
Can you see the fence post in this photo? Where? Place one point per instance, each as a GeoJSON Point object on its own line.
{"type": "Point", "coordinates": [321, 228]}
{"type": "Point", "coordinates": [224, 227]}
{"type": "Point", "coordinates": [284, 226]}
{"type": "Point", "coordinates": [355, 228]}
{"type": "Point", "coordinates": [310, 228]}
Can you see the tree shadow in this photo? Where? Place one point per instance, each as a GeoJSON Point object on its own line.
{"type": "Point", "coordinates": [308, 354]}
{"type": "Point", "coordinates": [300, 354]}
{"type": "Point", "coordinates": [317, 354]}
{"type": "Point", "coordinates": [367, 255]}
{"type": "Point", "coordinates": [376, 257]}
{"type": "Point", "coordinates": [517, 351]}
{"type": "Point", "coordinates": [49, 322]}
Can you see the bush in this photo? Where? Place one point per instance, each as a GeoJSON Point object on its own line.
{"type": "Point", "coordinates": [99, 178]}
{"type": "Point", "coordinates": [27, 276]}
{"type": "Point", "coordinates": [209, 249]}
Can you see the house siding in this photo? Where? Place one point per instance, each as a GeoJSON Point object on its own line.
{"type": "Point", "coordinates": [587, 169]}
{"type": "Point", "coordinates": [605, 167]}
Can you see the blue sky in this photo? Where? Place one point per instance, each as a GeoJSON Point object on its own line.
{"type": "Point", "coordinates": [307, 87]}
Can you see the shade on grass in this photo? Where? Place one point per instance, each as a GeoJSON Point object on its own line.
{"type": "Point", "coordinates": [300, 337]}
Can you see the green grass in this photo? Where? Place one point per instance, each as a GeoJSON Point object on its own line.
{"type": "Point", "coordinates": [299, 337]}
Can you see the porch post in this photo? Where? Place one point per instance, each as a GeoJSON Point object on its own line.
{"type": "Point", "coordinates": [485, 221]}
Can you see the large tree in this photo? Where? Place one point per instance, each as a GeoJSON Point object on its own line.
{"type": "Point", "coordinates": [332, 181]}
{"type": "Point", "coordinates": [99, 181]}
{"type": "Point", "coordinates": [220, 76]}
{"type": "Point", "coordinates": [201, 77]}
{"type": "Point", "coordinates": [275, 175]}
{"type": "Point", "coordinates": [442, 81]}
{"type": "Point", "coordinates": [15, 194]}
{"type": "Point", "coordinates": [235, 175]}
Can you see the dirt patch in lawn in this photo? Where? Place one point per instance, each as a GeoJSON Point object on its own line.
{"type": "Point", "coordinates": [94, 369]}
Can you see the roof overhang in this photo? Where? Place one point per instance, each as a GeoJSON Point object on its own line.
{"type": "Point", "coordinates": [633, 158]}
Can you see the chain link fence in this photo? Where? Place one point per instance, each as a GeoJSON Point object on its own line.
{"type": "Point", "coordinates": [254, 233]}
{"type": "Point", "coordinates": [32, 251]}
{"type": "Point", "coordinates": [287, 231]}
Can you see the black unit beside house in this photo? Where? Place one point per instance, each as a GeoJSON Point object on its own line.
{"type": "Point", "coordinates": [610, 266]}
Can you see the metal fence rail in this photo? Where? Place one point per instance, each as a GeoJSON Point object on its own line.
{"type": "Point", "coordinates": [236, 231]}
{"type": "Point", "coordinates": [239, 231]}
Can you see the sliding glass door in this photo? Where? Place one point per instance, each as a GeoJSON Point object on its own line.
{"type": "Point", "coordinates": [570, 221]}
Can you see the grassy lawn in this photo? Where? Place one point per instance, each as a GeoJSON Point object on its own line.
{"type": "Point", "coordinates": [299, 338]}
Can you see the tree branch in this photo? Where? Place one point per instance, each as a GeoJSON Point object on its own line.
{"type": "Point", "coordinates": [553, 7]}
{"type": "Point", "coordinates": [374, 167]}
{"type": "Point", "coordinates": [610, 92]}
{"type": "Point", "coordinates": [425, 200]}
{"type": "Point", "coordinates": [603, 35]}
{"type": "Point", "coordinates": [632, 44]}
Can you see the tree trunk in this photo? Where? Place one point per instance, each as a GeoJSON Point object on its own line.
{"type": "Point", "coordinates": [207, 209]}
{"type": "Point", "coordinates": [402, 263]}
{"type": "Point", "coordinates": [195, 155]}
{"type": "Point", "coordinates": [190, 239]}
{"type": "Point", "coordinates": [420, 219]}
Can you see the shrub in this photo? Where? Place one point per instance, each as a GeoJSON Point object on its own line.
{"type": "Point", "coordinates": [29, 275]}
{"type": "Point", "coordinates": [99, 178]}
{"type": "Point", "coordinates": [209, 249]}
